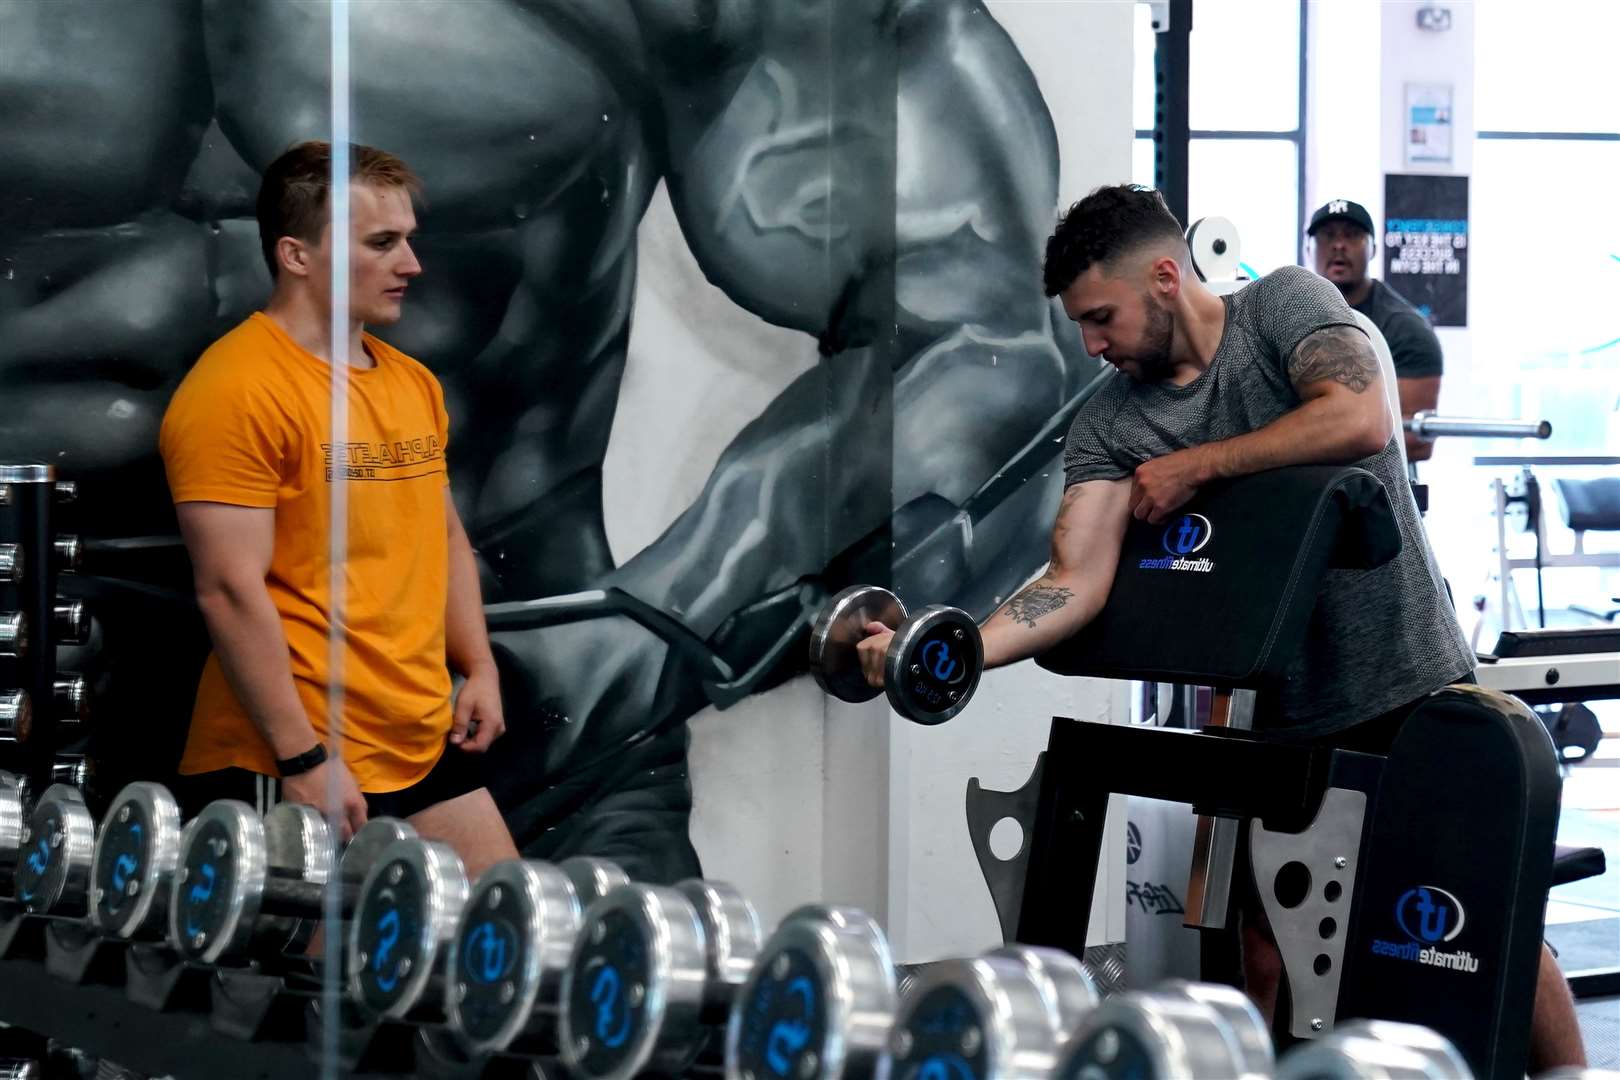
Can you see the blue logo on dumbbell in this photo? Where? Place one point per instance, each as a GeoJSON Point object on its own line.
{"type": "Point", "coordinates": [607, 994]}
{"type": "Point", "coordinates": [788, 1037]}
{"type": "Point", "coordinates": [38, 860]}
{"type": "Point", "coordinates": [40, 857]}
{"type": "Point", "coordinates": [945, 1067]}
{"type": "Point", "coordinates": [940, 662]}
{"type": "Point", "coordinates": [388, 937]}
{"type": "Point", "coordinates": [126, 864]}
{"type": "Point", "coordinates": [199, 893]}
{"type": "Point", "coordinates": [122, 868]}
{"type": "Point", "coordinates": [486, 954]}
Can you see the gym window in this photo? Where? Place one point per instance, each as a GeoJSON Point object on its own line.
{"type": "Point", "coordinates": [1246, 151]}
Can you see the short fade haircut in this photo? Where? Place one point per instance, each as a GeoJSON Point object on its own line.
{"type": "Point", "coordinates": [294, 196]}
{"type": "Point", "coordinates": [1108, 223]}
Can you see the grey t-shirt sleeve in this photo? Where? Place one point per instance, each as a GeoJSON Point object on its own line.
{"type": "Point", "coordinates": [1413, 345]}
{"type": "Point", "coordinates": [1290, 303]}
{"type": "Point", "coordinates": [1088, 450]}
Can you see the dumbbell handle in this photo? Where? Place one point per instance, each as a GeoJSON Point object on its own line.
{"type": "Point", "coordinates": [305, 899]}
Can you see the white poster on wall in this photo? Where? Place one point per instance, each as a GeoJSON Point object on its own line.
{"type": "Point", "coordinates": [1428, 124]}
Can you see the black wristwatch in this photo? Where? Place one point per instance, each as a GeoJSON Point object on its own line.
{"type": "Point", "coordinates": [297, 766]}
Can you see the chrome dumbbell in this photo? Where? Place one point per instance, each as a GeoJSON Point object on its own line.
{"type": "Point", "coordinates": [1006, 1015]}
{"type": "Point", "coordinates": [652, 977]}
{"type": "Point", "coordinates": [404, 925]}
{"type": "Point", "coordinates": [1376, 1050]}
{"type": "Point", "coordinates": [136, 856]}
{"type": "Point", "coordinates": [1178, 1030]}
{"type": "Point", "coordinates": [932, 665]}
{"type": "Point", "coordinates": [512, 946]}
{"type": "Point", "coordinates": [15, 803]}
{"type": "Point", "coordinates": [819, 1001]}
{"type": "Point", "coordinates": [248, 888]}
{"type": "Point", "coordinates": [58, 844]}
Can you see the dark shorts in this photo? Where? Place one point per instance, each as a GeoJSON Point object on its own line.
{"type": "Point", "coordinates": [456, 773]}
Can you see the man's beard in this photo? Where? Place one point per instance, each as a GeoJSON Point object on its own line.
{"type": "Point", "coordinates": [1153, 363]}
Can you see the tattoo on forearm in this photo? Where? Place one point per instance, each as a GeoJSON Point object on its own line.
{"type": "Point", "coordinates": [1339, 353]}
{"type": "Point", "coordinates": [1037, 600]}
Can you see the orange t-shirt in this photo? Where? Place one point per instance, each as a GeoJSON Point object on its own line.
{"type": "Point", "coordinates": [249, 426]}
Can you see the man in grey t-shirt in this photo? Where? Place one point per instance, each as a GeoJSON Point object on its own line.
{"type": "Point", "coordinates": [1288, 354]}
{"type": "Point", "coordinates": [1209, 388]}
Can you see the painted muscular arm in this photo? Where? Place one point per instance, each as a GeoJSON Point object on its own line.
{"type": "Point", "coordinates": [939, 361]}
{"type": "Point", "coordinates": [1343, 416]}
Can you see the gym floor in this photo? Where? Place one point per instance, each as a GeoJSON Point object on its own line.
{"type": "Point", "coordinates": [1583, 918]}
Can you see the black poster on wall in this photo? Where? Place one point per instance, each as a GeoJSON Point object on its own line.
{"type": "Point", "coordinates": [1426, 244]}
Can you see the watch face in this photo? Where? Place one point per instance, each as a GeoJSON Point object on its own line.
{"type": "Point", "coordinates": [944, 1039]}
{"type": "Point", "coordinates": [203, 898]}
{"type": "Point", "coordinates": [608, 1000]}
{"type": "Point", "coordinates": [122, 871]}
{"type": "Point", "coordinates": [490, 960]}
{"type": "Point", "coordinates": [389, 925]}
{"type": "Point", "coordinates": [784, 1018]}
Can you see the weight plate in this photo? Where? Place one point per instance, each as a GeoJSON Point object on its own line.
{"type": "Point", "coordinates": [214, 902]}
{"type": "Point", "coordinates": [1150, 1037]}
{"type": "Point", "coordinates": [13, 818]}
{"type": "Point", "coordinates": [632, 996]}
{"type": "Point", "coordinates": [135, 860]}
{"type": "Point", "coordinates": [403, 924]}
{"type": "Point", "coordinates": [933, 664]}
{"type": "Point", "coordinates": [1065, 985]}
{"type": "Point", "coordinates": [1248, 1034]}
{"type": "Point", "coordinates": [839, 628]}
{"type": "Point", "coordinates": [818, 1003]}
{"type": "Point", "coordinates": [513, 942]}
{"type": "Point", "coordinates": [731, 932]}
{"type": "Point", "coordinates": [592, 878]}
{"type": "Point", "coordinates": [983, 1019]}
{"type": "Point", "coordinates": [1357, 1057]}
{"type": "Point", "coordinates": [59, 844]}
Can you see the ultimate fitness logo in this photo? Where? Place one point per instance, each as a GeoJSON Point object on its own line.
{"type": "Point", "coordinates": [1186, 536]}
{"type": "Point", "coordinates": [1429, 916]}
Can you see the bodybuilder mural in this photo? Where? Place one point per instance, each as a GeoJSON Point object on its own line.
{"type": "Point", "coordinates": [879, 174]}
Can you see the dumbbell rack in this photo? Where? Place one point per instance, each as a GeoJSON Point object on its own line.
{"type": "Point", "coordinates": [142, 1007]}
{"type": "Point", "coordinates": [38, 704]}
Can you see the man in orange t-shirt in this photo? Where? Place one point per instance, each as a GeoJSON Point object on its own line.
{"type": "Point", "coordinates": [247, 447]}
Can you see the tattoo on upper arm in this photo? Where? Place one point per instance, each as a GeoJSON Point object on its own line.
{"type": "Point", "coordinates": [1030, 605]}
{"type": "Point", "coordinates": [1340, 353]}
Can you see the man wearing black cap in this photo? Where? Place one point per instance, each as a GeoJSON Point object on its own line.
{"type": "Point", "coordinates": [1341, 243]}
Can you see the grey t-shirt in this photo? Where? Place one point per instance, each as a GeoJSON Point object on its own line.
{"type": "Point", "coordinates": [1413, 344]}
{"type": "Point", "coordinates": [1378, 638]}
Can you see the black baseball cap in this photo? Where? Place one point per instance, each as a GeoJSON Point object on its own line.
{"type": "Point", "coordinates": [1341, 210]}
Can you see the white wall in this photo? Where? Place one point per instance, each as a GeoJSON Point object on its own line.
{"type": "Point", "coordinates": [1362, 55]}
{"type": "Point", "coordinates": [1343, 102]}
{"type": "Point", "coordinates": [799, 798]}
{"type": "Point", "coordinates": [1411, 55]}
